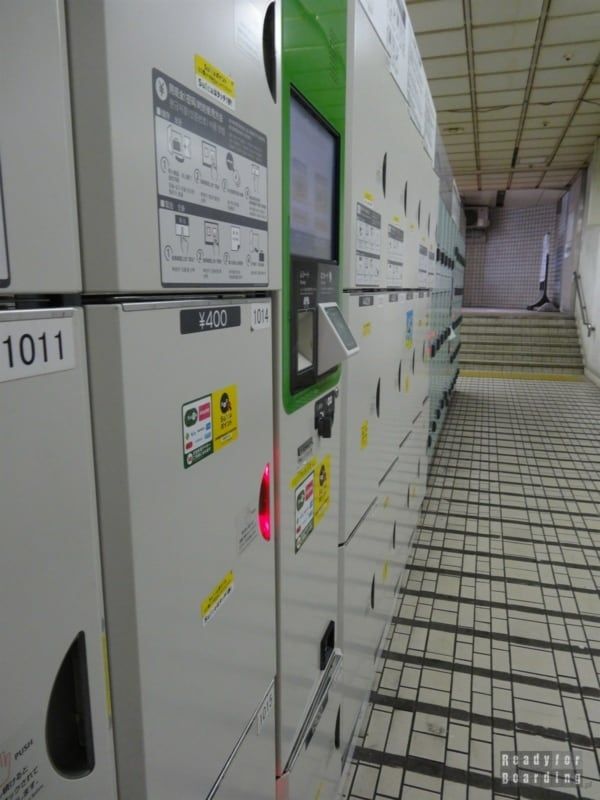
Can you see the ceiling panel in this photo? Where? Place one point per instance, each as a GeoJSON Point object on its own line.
{"type": "Point", "coordinates": [593, 93]}
{"type": "Point", "coordinates": [562, 8]}
{"type": "Point", "coordinates": [433, 15]}
{"type": "Point", "coordinates": [570, 54]}
{"type": "Point", "coordinates": [485, 12]}
{"type": "Point", "coordinates": [579, 28]}
{"type": "Point", "coordinates": [504, 37]}
{"type": "Point", "coordinates": [501, 81]}
{"type": "Point", "coordinates": [502, 61]}
{"type": "Point", "coordinates": [440, 44]}
{"type": "Point", "coordinates": [494, 179]}
{"type": "Point", "coordinates": [457, 101]}
{"type": "Point", "coordinates": [458, 139]}
{"type": "Point", "coordinates": [540, 135]}
{"type": "Point", "coordinates": [548, 112]}
{"type": "Point", "coordinates": [495, 100]}
{"type": "Point", "coordinates": [561, 76]}
{"type": "Point", "coordinates": [444, 86]}
{"type": "Point", "coordinates": [497, 136]}
{"type": "Point", "coordinates": [445, 66]}
{"type": "Point", "coordinates": [555, 94]}
{"type": "Point", "coordinates": [486, 124]}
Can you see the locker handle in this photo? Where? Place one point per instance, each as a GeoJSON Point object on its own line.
{"type": "Point", "coordinates": [413, 363]}
{"type": "Point", "coordinates": [405, 198]}
{"type": "Point", "coordinates": [373, 594]}
{"type": "Point", "coordinates": [400, 376]}
{"type": "Point", "coordinates": [384, 173]}
{"type": "Point", "coordinates": [394, 536]}
{"type": "Point", "coordinates": [419, 215]}
{"type": "Point", "coordinates": [337, 740]}
{"type": "Point", "coordinates": [269, 53]}
{"type": "Point", "coordinates": [378, 397]}
{"type": "Point", "coordinates": [69, 737]}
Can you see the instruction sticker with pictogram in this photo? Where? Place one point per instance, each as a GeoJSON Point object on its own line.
{"type": "Point", "coordinates": [323, 485]}
{"type": "Point", "coordinates": [303, 486]}
{"type": "Point", "coordinates": [209, 423]}
{"type": "Point", "coordinates": [224, 409]}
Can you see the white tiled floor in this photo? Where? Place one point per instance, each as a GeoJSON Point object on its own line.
{"type": "Point", "coordinates": [495, 645]}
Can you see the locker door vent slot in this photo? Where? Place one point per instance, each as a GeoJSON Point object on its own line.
{"type": "Point", "coordinates": [69, 739]}
{"type": "Point", "coordinates": [269, 56]}
{"type": "Point", "coordinates": [327, 645]}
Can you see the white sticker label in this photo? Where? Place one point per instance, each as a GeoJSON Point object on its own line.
{"type": "Point", "coordinates": [260, 316]}
{"type": "Point", "coordinates": [4, 272]}
{"type": "Point", "coordinates": [212, 180]}
{"type": "Point", "coordinates": [23, 766]}
{"type": "Point", "coordinates": [36, 347]}
{"type": "Point", "coordinates": [264, 712]}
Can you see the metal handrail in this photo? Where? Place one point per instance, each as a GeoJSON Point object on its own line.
{"type": "Point", "coordinates": [582, 305]}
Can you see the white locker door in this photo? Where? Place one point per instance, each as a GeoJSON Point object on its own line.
{"type": "Point", "coordinates": [178, 143]}
{"type": "Point", "coordinates": [37, 184]}
{"type": "Point", "coordinates": [363, 462]}
{"type": "Point", "coordinates": [360, 621]}
{"type": "Point", "coordinates": [182, 401]}
{"type": "Point", "coordinates": [394, 409]}
{"type": "Point", "coordinates": [316, 768]}
{"type": "Point", "coordinates": [55, 719]}
{"type": "Point", "coordinates": [366, 153]}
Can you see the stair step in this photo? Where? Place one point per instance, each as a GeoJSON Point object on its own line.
{"type": "Point", "coordinates": [517, 348]}
{"type": "Point", "coordinates": [522, 330]}
{"type": "Point", "coordinates": [538, 364]}
{"type": "Point", "coordinates": [528, 319]}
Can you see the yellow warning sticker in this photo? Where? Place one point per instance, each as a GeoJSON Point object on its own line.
{"type": "Point", "coordinates": [369, 197]}
{"type": "Point", "coordinates": [213, 602]}
{"type": "Point", "coordinates": [364, 434]}
{"type": "Point", "coordinates": [396, 218]}
{"type": "Point", "coordinates": [214, 82]}
{"type": "Point", "coordinates": [224, 416]}
{"type": "Point", "coordinates": [366, 329]}
{"type": "Point", "coordinates": [323, 483]}
{"type": "Point", "coordinates": [385, 571]}
{"type": "Point", "coordinates": [407, 384]}
{"type": "Point", "coordinates": [108, 697]}
{"type": "Point", "coordinates": [386, 502]}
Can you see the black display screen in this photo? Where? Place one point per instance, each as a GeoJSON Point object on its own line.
{"type": "Point", "coordinates": [314, 202]}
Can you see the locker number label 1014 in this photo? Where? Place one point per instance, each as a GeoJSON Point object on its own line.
{"type": "Point", "coordinates": [31, 347]}
{"type": "Point", "coordinates": [260, 316]}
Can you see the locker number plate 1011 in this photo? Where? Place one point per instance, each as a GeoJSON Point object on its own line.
{"type": "Point", "coordinates": [31, 347]}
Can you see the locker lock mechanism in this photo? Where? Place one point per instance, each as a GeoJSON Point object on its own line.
{"type": "Point", "coordinates": [325, 413]}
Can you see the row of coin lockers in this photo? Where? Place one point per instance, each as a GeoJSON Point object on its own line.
{"type": "Point", "coordinates": [165, 624]}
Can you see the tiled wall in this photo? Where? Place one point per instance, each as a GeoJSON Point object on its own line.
{"type": "Point", "coordinates": [503, 262]}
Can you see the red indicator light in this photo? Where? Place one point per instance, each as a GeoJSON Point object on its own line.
{"type": "Point", "coordinates": [264, 505]}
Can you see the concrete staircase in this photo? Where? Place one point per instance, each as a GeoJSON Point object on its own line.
{"type": "Point", "coordinates": [523, 344]}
